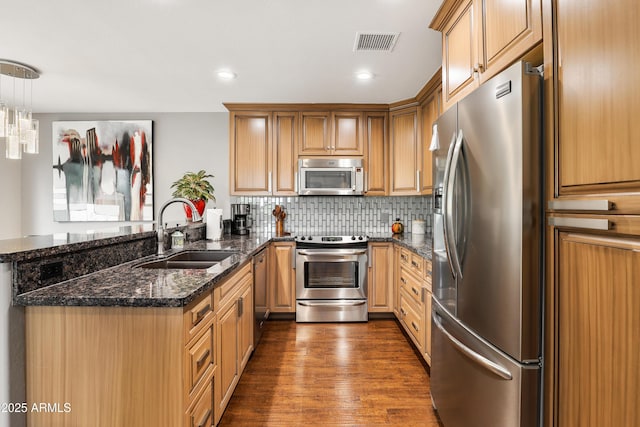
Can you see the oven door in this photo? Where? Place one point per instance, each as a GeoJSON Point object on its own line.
{"type": "Point", "coordinates": [326, 274]}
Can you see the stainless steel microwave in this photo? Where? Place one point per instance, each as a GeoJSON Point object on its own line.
{"type": "Point", "coordinates": [330, 177]}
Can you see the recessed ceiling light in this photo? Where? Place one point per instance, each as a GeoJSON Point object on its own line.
{"type": "Point", "coordinates": [364, 75]}
{"type": "Point", "coordinates": [226, 75]}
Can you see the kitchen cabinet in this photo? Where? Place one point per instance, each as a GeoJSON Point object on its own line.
{"type": "Point", "coordinates": [119, 359]}
{"type": "Point", "coordinates": [596, 312]}
{"type": "Point", "coordinates": [430, 109]}
{"type": "Point", "coordinates": [285, 154]}
{"type": "Point", "coordinates": [337, 133]}
{"type": "Point", "coordinates": [597, 104]}
{"type": "Point", "coordinates": [482, 37]}
{"type": "Point", "coordinates": [377, 162]}
{"type": "Point", "coordinates": [380, 278]}
{"type": "Point", "coordinates": [282, 277]}
{"type": "Point", "coordinates": [405, 149]}
{"type": "Point", "coordinates": [250, 152]}
{"type": "Point", "coordinates": [263, 163]}
{"type": "Point", "coordinates": [234, 333]}
{"type": "Point", "coordinates": [413, 287]}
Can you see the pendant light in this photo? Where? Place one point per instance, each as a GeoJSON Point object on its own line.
{"type": "Point", "coordinates": [18, 129]}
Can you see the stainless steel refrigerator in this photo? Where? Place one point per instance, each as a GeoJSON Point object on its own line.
{"type": "Point", "coordinates": [487, 261]}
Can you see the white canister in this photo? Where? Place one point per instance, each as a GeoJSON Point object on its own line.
{"type": "Point", "coordinates": [214, 224]}
{"type": "Point", "coordinates": [418, 226]}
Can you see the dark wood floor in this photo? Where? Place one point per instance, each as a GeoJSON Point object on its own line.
{"type": "Point", "coordinates": [340, 374]}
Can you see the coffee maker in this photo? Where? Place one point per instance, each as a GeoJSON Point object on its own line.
{"type": "Point", "coordinates": [240, 213]}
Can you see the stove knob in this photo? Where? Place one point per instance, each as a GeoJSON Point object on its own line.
{"type": "Point", "coordinates": [360, 238]}
{"type": "Point", "coordinates": [310, 237]}
{"type": "Point", "coordinates": [353, 237]}
{"type": "Point", "coordinates": [303, 238]}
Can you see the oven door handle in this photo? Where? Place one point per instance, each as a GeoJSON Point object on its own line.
{"type": "Point", "coordinates": [334, 253]}
{"type": "Point", "coordinates": [332, 303]}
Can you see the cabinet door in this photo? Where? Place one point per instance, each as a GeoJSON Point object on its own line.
{"type": "Point", "coordinates": [404, 148]}
{"type": "Point", "coordinates": [430, 111]}
{"type": "Point", "coordinates": [285, 156]}
{"type": "Point", "coordinates": [598, 98]}
{"type": "Point", "coordinates": [315, 135]}
{"type": "Point", "coordinates": [347, 134]}
{"type": "Point", "coordinates": [427, 326]}
{"type": "Point", "coordinates": [380, 277]}
{"type": "Point", "coordinates": [227, 344]}
{"type": "Point", "coordinates": [245, 324]}
{"type": "Point", "coordinates": [510, 28]}
{"type": "Point", "coordinates": [250, 152]}
{"type": "Point", "coordinates": [460, 53]}
{"type": "Point", "coordinates": [598, 319]}
{"type": "Point", "coordinates": [377, 167]}
{"type": "Point", "coordinates": [282, 276]}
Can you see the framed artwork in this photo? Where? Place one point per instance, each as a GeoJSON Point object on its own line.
{"type": "Point", "coordinates": [102, 171]}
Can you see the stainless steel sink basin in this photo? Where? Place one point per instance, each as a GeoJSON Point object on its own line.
{"type": "Point", "coordinates": [189, 259]}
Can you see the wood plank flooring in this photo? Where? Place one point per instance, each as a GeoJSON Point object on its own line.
{"type": "Point", "coordinates": [332, 374]}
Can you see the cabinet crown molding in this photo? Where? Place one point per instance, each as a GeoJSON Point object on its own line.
{"type": "Point", "coordinates": [444, 14]}
{"type": "Point", "coordinates": [234, 106]}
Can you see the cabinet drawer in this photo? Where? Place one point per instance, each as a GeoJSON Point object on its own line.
{"type": "Point", "coordinates": [200, 357]}
{"type": "Point", "coordinates": [229, 288]}
{"type": "Point", "coordinates": [413, 262]}
{"type": "Point", "coordinates": [428, 270]}
{"type": "Point", "coordinates": [197, 316]}
{"type": "Point", "coordinates": [412, 318]}
{"type": "Point", "coordinates": [201, 413]}
{"type": "Point", "coordinates": [411, 285]}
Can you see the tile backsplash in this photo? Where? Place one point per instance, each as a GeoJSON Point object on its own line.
{"type": "Point", "coordinates": [339, 214]}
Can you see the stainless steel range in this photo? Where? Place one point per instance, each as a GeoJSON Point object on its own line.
{"type": "Point", "coordinates": [331, 278]}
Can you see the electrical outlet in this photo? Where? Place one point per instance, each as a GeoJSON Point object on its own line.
{"type": "Point", "coordinates": [384, 217]}
{"type": "Point", "coordinates": [51, 270]}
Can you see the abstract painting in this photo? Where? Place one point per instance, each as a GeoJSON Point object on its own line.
{"type": "Point", "coordinates": [102, 171]}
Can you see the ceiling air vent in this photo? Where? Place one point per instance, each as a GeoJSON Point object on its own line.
{"type": "Point", "coordinates": [376, 42]}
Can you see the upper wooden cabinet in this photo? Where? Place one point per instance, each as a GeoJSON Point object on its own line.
{"type": "Point", "coordinates": [482, 37]}
{"type": "Point", "coordinates": [405, 150]}
{"type": "Point", "coordinates": [336, 133]}
{"type": "Point", "coordinates": [377, 145]}
{"type": "Point", "coordinates": [250, 153]}
{"type": "Point", "coordinates": [263, 152]}
{"type": "Point", "coordinates": [430, 98]}
{"type": "Point", "coordinates": [597, 104]}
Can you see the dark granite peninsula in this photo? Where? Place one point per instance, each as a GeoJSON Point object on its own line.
{"type": "Point", "coordinates": [90, 328]}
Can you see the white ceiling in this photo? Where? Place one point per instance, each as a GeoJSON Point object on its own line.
{"type": "Point", "coordinates": [162, 55]}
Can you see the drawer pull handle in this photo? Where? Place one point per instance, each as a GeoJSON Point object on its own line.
{"type": "Point", "coordinates": [415, 291]}
{"type": "Point", "coordinates": [203, 358]}
{"type": "Point", "coordinates": [203, 421]}
{"type": "Point", "coordinates": [200, 314]}
{"type": "Point", "coordinates": [415, 264]}
{"type": "Point", "coordinates": [403, 257]}
{"type": "Point", "coordinates": [590, 223]}
{"type": "Point", "coordinates": [581, 205]}
{"type": "Point", "coordinates": [404, 313]}
{"type": "Point", "coordinates": [415, 326]}
{"type": "Point", "coordinates": [402, 280]}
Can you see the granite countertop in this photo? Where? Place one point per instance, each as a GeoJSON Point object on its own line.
{"type": "Point", "coordinates": [31, 247]}
{"type": "Point", "coordinates": [126, 285]}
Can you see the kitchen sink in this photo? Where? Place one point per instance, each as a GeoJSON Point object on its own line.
{"type": "Point", "coordinates": [189, 259]}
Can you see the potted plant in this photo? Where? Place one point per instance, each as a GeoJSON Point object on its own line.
{"type": "Point", "coordinates": [195, 187]}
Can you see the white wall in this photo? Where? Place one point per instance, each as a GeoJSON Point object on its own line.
{"type": "Point", "coordinates": [181, 142]}
{"type": "Point", "coordinates": [10, 196]}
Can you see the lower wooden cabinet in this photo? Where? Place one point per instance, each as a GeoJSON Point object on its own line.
{"type": "Point", "coordinates": [282, 277]}
{"type": "Point", "coordinates": [413, 289]}
{"type": "Point", "coordinates": [380, 278]}
{"type": "Point", "coordinates": [594, 303]}
{"type": "Point", "coordinates": [234, 342]}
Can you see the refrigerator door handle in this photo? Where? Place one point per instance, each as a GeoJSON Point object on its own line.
{"type": "Point", "coordinates": [448, 219]}
{"type": "Point", "coordinates": [498, 370]}
{"type": "Point", "coordinates": [445, 199]}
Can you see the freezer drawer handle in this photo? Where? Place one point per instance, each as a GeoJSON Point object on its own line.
{"type": "Point", "coordinates": [590, 223]}
{"type": "Point", "coordinates": [483, 361]}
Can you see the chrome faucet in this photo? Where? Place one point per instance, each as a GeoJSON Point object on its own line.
{"type": "Point", "coordinates": [194, 215]}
